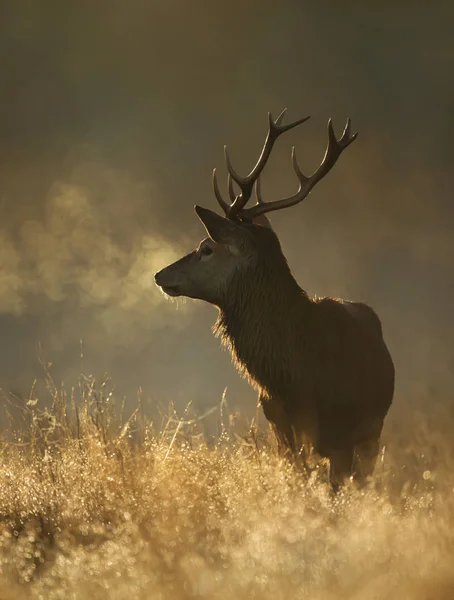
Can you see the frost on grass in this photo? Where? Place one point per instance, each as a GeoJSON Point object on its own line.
{"type": "Point", "coordinates": [91, 507]}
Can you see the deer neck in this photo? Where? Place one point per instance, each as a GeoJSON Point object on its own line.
{"type": "Point", "coordinates": [261, 320]}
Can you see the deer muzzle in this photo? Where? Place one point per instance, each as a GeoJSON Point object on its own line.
{"type": "Point", "coordinates": [162, 280]}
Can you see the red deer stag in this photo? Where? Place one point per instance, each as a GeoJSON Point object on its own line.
{"type": "Point", "coordinates": [324, 374]}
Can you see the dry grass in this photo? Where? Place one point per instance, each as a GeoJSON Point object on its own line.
{"type": "Point", "coordinates": [92, 508]}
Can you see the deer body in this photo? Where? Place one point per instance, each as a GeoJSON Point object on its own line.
{"type": "Point", "coordinates": [324, 375]}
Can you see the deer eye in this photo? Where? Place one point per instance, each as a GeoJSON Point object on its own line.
{"type": "Point", "coordinates": [206, 251]}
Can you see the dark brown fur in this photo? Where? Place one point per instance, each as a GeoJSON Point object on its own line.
{"type": "Point", "coordinates": [324, 374]}
{"type": "Point", "coordinates": [323, 371]}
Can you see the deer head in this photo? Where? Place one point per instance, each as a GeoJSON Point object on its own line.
{"type": "Point", "coordinates": [243, 238]}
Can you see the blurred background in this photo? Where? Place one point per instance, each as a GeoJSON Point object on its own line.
{"type": "Point", "coordinates": [112, 117]}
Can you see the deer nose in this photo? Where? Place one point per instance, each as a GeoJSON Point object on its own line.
{"type": "Point", "coordinates": [157, 277]}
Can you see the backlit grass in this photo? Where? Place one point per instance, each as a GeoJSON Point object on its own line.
{"type": "Point", "coordinates": [94, 507]}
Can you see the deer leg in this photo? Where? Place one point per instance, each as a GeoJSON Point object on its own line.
{"type": "Point", "coordinates": [341, 460]}
{"type": "Point", "coordinates": [365, 457]}
{"type": "Point", "coordinates": [282, 426]}
{"type": "Point", "coordinates": [285, 440]}
{"type": "Point", "coordinates": [366, 452]}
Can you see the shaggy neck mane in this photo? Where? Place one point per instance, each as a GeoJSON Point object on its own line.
{"type": "Point", "coordinates": [260, 321]}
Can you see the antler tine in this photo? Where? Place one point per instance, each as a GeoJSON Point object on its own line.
{"type": "Point", "coordinates": [225, 207]}
{"type": "Point", "coordinates": [258, 192]}
{"type": "Point", "coordinates": [301, 176]}
{"type": "Point", "coordinates": [283, 128]}
{"type": "Point", "coordinates": [346, 138]}
{"type": "Point", "coordinates": [280, 118]}
{"type": "Point", "coordinates": [230, 168]}
{"type": "Point", "coordinates": [347, 129]}
{"type": "Point", "coordinates": [334, 149]}
{"type": "Point", "coordinates": [246, 184]}
{"type": "Point", "coordinates": [232, 194]}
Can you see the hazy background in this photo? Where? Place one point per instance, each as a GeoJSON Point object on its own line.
{"type": "Point", "coordinates": [112, 117]}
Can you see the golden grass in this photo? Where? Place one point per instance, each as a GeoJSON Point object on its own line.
{"type": "Point", "coordinates": [92, 508]}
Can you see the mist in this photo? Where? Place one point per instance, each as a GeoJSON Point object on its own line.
{"type": "Point", "coordinates": [112, 119]}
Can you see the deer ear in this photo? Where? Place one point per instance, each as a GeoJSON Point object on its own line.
{"type": "Point", "coordinates": [220, 229]}
{"type": "Point", "coordinates": [263, 221]}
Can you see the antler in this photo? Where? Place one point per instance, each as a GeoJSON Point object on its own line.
{"type": "Point", "coordinates": [246, 184]}
{"type": "Point", "coordinates": [334, 149]}
{"type": "Point", "coordinates": [237, 208]}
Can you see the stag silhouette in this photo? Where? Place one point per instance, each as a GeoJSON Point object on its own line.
{"type": "Point", "coordinates": [323, 371]}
